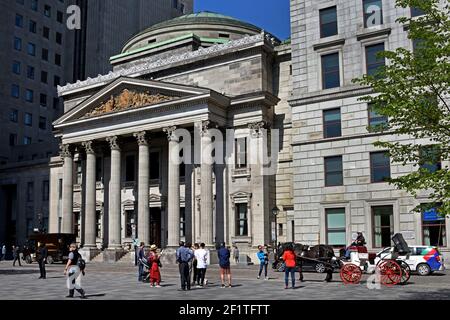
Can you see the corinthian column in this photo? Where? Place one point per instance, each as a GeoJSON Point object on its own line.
{"type": "Point", "coordinates": [143, 188]}
{"type": "Point", "coordinates": [207, 196]}
{"type": "Point", "coordinates": [173, 201]}
{"type": "Point", "coordinates": [114, 195]}
{"type": "Point", "coordinates": [90, 190]}
{"type": "Point", "coordinates": [67, 192]}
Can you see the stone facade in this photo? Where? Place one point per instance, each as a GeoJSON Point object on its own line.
{"type": "Point", "coordinates": [357, 196]}
{"type": "Point", "coordinates": [240, 86]}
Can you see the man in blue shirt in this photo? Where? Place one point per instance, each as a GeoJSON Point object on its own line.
{"type": "Point", "coordinates": [263, 261]}
{"type": "Point", "coordinates": [184, 257]}
{"type": "Point", "coordinates": [224, 263]}
{"type": "Point", "coordinates": [141, 255]}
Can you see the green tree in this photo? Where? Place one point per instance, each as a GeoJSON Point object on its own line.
{"type": "Point", "coordinates": [412, 91]}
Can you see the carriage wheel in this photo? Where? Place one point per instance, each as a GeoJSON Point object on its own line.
{"type": "Point", "coordinates": [406, 271]}
{"type": "Point", "coordinates": [390, 273]}
{"type": "Point", "coordinates": [351, 274]}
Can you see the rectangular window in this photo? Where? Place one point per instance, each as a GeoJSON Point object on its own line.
{"type": "Point", "coordinates": [28, 119]}
{"type": "Point", "coordinates": [58, 38]}
{"type": "Point", "coordinates": [30, 72]}
{"type": "Point", "coordinates": [77, 224]}
{"type": "Point", "coordinates": [32, 26]}
{"type": "Point", "coordinates": [42, 123]}
{"type": "Point", "coordinates": [56, 81]}
{"type": "Point", "coordinates": [43, 100]}
{"type": "Point", "coordinates": [29, 95]}
{"type": "Point", "coordinates": [154, 165]}
{"type": "Point", "coordinates": [15, 91]}
{"type": "Point", "coordinates": [130, 221]}
{"type": "Point", "coordinates": [241, 153]}
{"type": "Point", "coordinates": [373, 13]}
{"type": "Point", "coordinates": [47, 11]}
{"type": "Point", "coordinates": [373, 62]}
{"type": "Point", "coordinates": [44, 54]}
{"type": "Point", "coordinates": [12, 139]}
{"type": "Point", "coordinates": [98, 220]}
{"type": "Point", "coordinates": [34, 5]}
{"type": "Point", "coordinates": [433, 228]}
{"type": "Point", "coordinates": [57, 59]}
{"type": "Point", "coordinates": [13, 115]}
{"type": "Point", "coordinates": [130, 168]}
{"type": "Point", "coordinates": [16, 67]}
{"type": "Point", "coordinates": [380, 166]}
{"type": "Point", "coordinates": [30, 191]}
{"type": "Point", "coordinates": [330, 71]}
{"type": "Point", "coordinates": [59, 16]}
{"type": "Point", "coordinates": [44, 76]}
{"type": "Point", "coordinates": [415, 12]}
{"type": "Point", "coordinates": [375, 119]}
{"type": "Point", "coordinates": [333, 171]}
{"type": "Point", "coordinates": [328, 22]}
{"type": "Point", "coordinates": [79, 168]}
{"type": "Point", "coordinates": [46, 32]}
{"type": "Point", "coordinates": [383, 226]}
{"type": "Point", "coordinates": [241, 219]}
{"type": "Point", "coordinates": [182, 222]}
{"type": "Point", "coordinates": [19, 21]}
{"type": "Point", "coordinates": [280, 229]}
{"type": "Point", "coordinates": [99, 169]}
{"type": "Point", "coordinates": [430, 158]}
{"type": "Point", "coordinates": [336, 227]}
{"type": "Point", "coordinates": [60, 187]}
{"type": "Point", "coordinates": [332, 123]}
{"type": "Point", "coordinates": [55, 103]}
{"type": "Point", "coordinates": [17, 44]}
{"type": "Point", "coordinates": [26, 140]}
{"type": "Point", "coordinates": [31, 49]}
{"type": "Point", "coordinates": [45, 190]}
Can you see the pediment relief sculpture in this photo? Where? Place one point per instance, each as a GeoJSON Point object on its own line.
{"type": "Point", "coordinates": [127, 99]}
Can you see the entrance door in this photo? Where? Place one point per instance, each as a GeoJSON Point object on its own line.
{"type": "Point", "coordinates": [155, 226]}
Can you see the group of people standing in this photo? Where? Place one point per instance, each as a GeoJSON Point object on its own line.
{"type": "Point", "coordinates": [152, 260]}
{"type": "Point", "coordinates": [15, 252]}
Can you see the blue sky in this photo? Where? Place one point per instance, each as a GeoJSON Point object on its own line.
{"type": "Point", "coordinates": [270, 15]}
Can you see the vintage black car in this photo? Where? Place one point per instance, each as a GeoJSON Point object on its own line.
{"type": "Point", "coordinates": [57, 246]}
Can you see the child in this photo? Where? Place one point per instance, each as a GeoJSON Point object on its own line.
{"type": "Point", "coordinates": [155, 275]}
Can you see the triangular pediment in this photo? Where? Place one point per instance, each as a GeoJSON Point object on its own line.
{"type": "Point", "coordinates": [127, 94]}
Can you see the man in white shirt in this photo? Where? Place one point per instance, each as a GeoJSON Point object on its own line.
{"type": "Point", "coordinates": [202, 256]}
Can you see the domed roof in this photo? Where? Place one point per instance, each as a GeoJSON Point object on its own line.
{"type": "Point", "coordinates": [203, 17]}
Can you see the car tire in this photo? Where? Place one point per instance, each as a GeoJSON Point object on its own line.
{"type": "Point", "coordinates": [423, 269]}
{"type": "Point", "coordinates": [320, 267]}
{"type": "Point", "coordinates": [28, 259]}
{"type": "Point", "coordinates": [50, 260]}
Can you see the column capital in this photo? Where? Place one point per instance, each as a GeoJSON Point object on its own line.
{"type": "Point", "coordinates": [142, 138]}
{"type": "Point", "coordinates": [256, 128]}
{"type": "Point", "coordinates": [87, 145]}
{"type": "Point", "coordinates": [113, 142]}
{"type": "Point", "coordinates": [170, 131]}
{"type": "Point", "coordinates": [206, 125]}
{"type": "Point", "coordinates": [65, 151]}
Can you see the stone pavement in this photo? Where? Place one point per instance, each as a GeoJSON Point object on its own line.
{"type": "Point", "coordinates": [119, 282]}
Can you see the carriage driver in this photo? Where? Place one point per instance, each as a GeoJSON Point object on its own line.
{"type": "Point", "coordinates": [359, 242]}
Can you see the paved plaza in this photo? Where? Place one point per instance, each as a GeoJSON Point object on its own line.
{"type": "Point", "coordinates": [119, 282]}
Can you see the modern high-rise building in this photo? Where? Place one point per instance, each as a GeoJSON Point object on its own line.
{"type": "Point", "coordinates": [38, 52]}
{"type": "Point", "coordinates": [339, 178]}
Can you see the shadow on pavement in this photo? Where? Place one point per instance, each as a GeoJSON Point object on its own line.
{"type": "Point", "coordinates": [18, 271]}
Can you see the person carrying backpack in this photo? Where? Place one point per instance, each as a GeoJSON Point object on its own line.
{"type": "Point", "coordinates": [184, 258]}
{"type": "Point", "coordinates": [74, 268]}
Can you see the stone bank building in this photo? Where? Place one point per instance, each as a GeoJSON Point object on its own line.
{"type": "Point", "coordinates": [113, 180]}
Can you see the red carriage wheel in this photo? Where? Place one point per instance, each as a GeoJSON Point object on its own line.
{"type": "Point", "coordinates": [390, 273]}
{"type": "Point", "coordinates": [351, 274]}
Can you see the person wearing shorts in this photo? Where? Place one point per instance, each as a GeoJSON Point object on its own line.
{"type": "Point", "coordinates": [224, 263]}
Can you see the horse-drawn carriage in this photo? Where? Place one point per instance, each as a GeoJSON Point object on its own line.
{"type": "Point", "coordinates": [390, 271]}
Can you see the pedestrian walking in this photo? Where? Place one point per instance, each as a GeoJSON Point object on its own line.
{"type": "Point", "coordinates": [236, 254]}
{"type": "Point", "coordinates": [224, 263]}
{"type": "Point", "coordinates": [155, 264]}
{"type": "Point", "coordinates": [194, 265]}
{"type": "Point", "coordinates": [141, 255]}
{"type": "Point", "coordinates": [3, 257]}
{"type": "Point", "coordinates": [42, 254]}
{"type": "Point", "coordinates": [202, 257]}
{"type": "Point", "coordinates": [184, 259]}
{"type": "Point", "coordinates": [16, 255]}
{"type": "Point", "coordinates": [74, 272]}
{"type": "Point", "coordinates": [263, 257]}
{"type": "Point", "coordinates": [289, 259]}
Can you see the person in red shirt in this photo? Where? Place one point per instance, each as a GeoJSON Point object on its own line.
{"type": "Point", "coordinates": [155, 275]}
{"type": "Point", "coordinates": [289, 259]}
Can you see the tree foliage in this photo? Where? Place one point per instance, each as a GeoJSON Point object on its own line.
{"type": "Point", "coordinates": [412, 90]}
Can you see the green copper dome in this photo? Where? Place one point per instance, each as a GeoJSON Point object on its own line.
{"type": "Point", "coordinates": [203, 17]}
